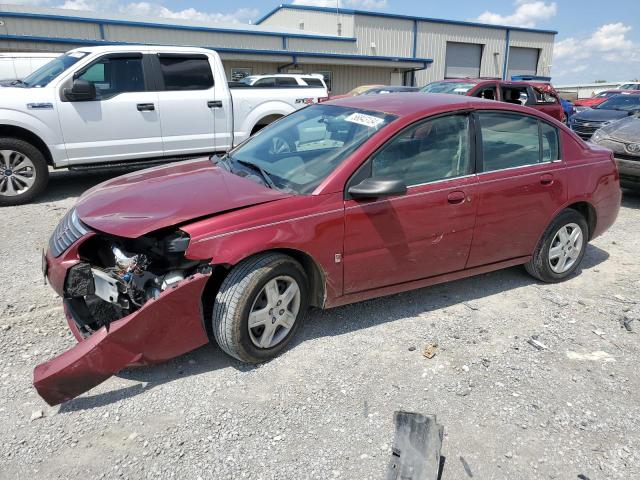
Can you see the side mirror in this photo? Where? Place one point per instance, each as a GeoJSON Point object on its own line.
{"type": "Point", "coordinates": [378, 187]}
{"type": "Point", "coordinates": [81, 90]}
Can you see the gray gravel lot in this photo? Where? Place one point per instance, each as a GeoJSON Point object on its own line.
{"type": "Point", "coordinates": [324, 409]}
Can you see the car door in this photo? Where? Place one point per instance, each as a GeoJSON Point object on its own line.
{"type": "Point", "coordinates": [428, 230]}
{"type": "Point", "coordinates": [188, 103]}
{"type": "Point", "coordinates": [122, 122]}
{"type": "Point", "coordinates": [521, 183]}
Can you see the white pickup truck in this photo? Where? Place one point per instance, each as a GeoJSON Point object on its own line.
{"type": "Point", "coordinates": [96, 107]}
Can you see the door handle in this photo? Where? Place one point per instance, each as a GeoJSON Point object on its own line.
{"type": "Point", "coordinates": [456, 197]}
{"type": "Point", "coordinates": [214, 104]}
{"type": "Point", "coordinates": [145, 107]}
{"type": "Point", "coordinates": [546, 179]}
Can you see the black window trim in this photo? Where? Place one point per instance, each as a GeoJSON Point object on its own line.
{"type": "Point", "coordinates": [146, 74]}
{"type": "Point", "coordinates": [156, 69]}
{"type": "Point", "coordinates": [365, 170]}
{"type": "Point", "coordinates": [478, 141]}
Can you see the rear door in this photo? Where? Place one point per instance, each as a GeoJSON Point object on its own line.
{"type": "Point", "coordinates": [188, 103]}
{"type": "Point", "coordinates": [425, 232]}
{"type": "Point", "coordinates": [545, 102]}
{"type": "Point", "coordinates": [122, 122]}
{"type": "Point", "coordinates": [521, 183]}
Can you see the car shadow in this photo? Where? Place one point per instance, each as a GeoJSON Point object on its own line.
{"type": "Point", "coordinates": [631, 199]}
{"type": "Point", "coordinates": [322, 323]}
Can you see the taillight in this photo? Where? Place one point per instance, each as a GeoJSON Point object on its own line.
{"type": "Point", "coordinates": [323, 99]}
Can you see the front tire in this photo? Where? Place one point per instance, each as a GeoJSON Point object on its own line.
{"type": "Point", "coordinates": [23, 172]}
{"type": "Point", "coordinates": [260, 306]}
{"type": "Point", "coordinates": [561, 248]}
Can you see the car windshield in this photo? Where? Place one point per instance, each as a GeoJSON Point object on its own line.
{"type": "Point", "coordinates": [299, 151]}
{"type": "Point", "coordinates": [625, 103]}
{"type": "Point", "coordinates": [42, 76]}
{"type": "Point", "coordinates": [459, 88]}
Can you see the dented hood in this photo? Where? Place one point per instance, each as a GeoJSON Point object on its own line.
{"type": "Point", "coordinates": [141, 202]}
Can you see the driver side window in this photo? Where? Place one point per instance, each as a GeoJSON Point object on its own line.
{"type": "Point", "coordinates": [428, 151]}
{"type": "Point", "coordinates": [112, 76]}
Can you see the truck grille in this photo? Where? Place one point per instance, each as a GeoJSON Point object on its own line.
{"type": "Point", "coordinates": [69, 230]}
{"type": "Point", "coordinates": [585, 129]}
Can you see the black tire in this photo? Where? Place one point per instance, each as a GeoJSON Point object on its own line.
{"type": "Point", "coordinates": [236, 297]}
{"type": "Point", "coordinates": [40, 168]}
{"type": "Point", "coordinates": [540, 265]}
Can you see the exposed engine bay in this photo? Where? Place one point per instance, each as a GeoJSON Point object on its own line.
{"type": "Point", "coordinates": [117, 276]}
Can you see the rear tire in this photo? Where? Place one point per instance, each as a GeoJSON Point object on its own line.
{"type": "Point", "coordinates": [271, 291]}
{"type": "Point", "coordinates": [561, 248]}
{"type": "Point", "coordinates": [24, 173]}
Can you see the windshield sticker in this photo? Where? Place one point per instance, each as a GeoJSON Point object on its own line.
{"type": "Point", "coordinates": [364, 119]}
{"type": "Point", "coordinates": [461, 89]}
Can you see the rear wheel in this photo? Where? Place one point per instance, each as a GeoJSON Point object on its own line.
{"type": "Point", "coordinates": [23, 172]}
{"type": "Point", "coordinates": [561, 248]}
{"type": "Point", "coordinates": [259, 307]}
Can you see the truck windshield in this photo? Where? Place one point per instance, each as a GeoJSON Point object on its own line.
{"type": "Point", "coordinates": [459, 88]}
{"type": "Point", "coordinates": [42, 76]}
{"type": "Point", "coordinates": [298, 152]}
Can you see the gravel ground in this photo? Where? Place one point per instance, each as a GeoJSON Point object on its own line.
{"type": "Point", "coordinates": [324, 409]}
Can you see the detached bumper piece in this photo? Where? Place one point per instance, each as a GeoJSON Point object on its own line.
{"type": "Point", "coordinates": [161, 329]}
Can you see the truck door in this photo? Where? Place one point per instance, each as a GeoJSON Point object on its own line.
{"type": "Point", "coordinates": [188, 104]}
{"type": "Point", "coordinates": [121, 122]}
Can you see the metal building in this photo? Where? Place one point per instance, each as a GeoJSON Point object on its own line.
{"type": "Point", "coordinates": [350, 47]}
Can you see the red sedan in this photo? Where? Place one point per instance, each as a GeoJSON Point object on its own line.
{"type": "Point", "coordinates": [336, 203]}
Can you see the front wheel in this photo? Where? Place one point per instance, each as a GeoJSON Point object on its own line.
{"type": "Point", "coordinates": [561, 248]}
{"type": "Point", "coordinates": [23, 172]}
{"type": "Point", "coordinates": [259, 307]}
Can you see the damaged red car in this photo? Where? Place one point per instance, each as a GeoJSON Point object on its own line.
{"type": "Point", "coordinates": [335, 203]}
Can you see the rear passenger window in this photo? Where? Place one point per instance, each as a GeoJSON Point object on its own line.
{"type": "Point", "coordinates": [512, 140]}
{"type": "Point", "coordinates": [186, 72]}
{"type": "Point", "coordinates": [265, 82]}
{"type": "Point", "coordinates": [286, 82]}
{"type": "Point", "coordinates": [426, 152]}
{"type": "Point", "coordinates": [314, 82]}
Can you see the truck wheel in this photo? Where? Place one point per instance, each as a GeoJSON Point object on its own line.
{"type": "Point", "coordinates": [23, 172]}
{"type": "Point", "coordinates": [260, 306]}
{"type": "Point", "coordinates": [561, 248]}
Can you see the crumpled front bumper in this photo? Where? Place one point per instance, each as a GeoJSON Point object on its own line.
{"type": "Point", "coordinates": [163, 328]}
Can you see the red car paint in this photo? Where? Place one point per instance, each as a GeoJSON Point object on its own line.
{"type": "Point", "coordinates": [600, 97]}
{"type": "Point", "coordinates": [554, 110]}
{"type": "Point", "coordinates": [359, 249]}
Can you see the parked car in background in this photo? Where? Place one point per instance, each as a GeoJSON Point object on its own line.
{"type": "Point", "coordinates": [14, 66]}
{"type": "Point", "coordinates": [336, 203]}
{"type": "Point", "coordinates": [630, 86]}
{"type": "Point", "coordinates": [537, 95]}
{"type": "Point", "coordinates": [623, 138]}
{"type": "Point", "coordinates": [585, 123]}
{"type": "Point", "coordinates": [585, 103]}
{"type": "Point", "coordinates": [390, 89]}
{"type": "Point", "coordinates": [283, 80]}
{"type": "Point", "coordinates": [356, 91]}
{"type": "Point", "coordinates": [128, 105]}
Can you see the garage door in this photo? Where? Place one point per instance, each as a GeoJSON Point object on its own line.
{"type": "Point", "coordinates": [463, 60]}
{"type": "Point", "coordinates": [523, 61]}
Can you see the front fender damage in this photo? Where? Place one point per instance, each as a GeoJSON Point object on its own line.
{"type": "Point", "coordinates": [162, 329]}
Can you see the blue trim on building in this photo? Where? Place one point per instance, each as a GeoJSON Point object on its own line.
{"type": "Point", "coordinates": [397, 16]}
{"type": "Point", "coordinates": [505, 64]}
{"type": "Point", "coordinates": [246, 51]}
{"type": "Point", "coordinates": [101, 21]}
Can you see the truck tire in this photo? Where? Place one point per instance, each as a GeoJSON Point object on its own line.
{"type": "Point", "coordinates": [260, 306]}
{"type": "Point", "coordinates": [561, 248]}
{"type": "Point", "coordinates": [23, 172]}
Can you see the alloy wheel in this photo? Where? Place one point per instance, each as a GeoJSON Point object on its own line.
{"type": "Point", "coordinates": [17, 173]}
{"type": "Point", "coordinates": [565, 248]}
{"type": "Point", "coordinates": [274, 311]}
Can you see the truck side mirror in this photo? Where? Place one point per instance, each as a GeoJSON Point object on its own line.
{"type": "Point", "coordinates": [81, 90]}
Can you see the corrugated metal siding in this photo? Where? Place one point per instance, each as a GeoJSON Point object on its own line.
{"type": "Point", "coordinates": [392, 37]}
{"type": "Point", "coordinates": [542, 41]}
{"type": "Point", "coordinates": [432, 43]}
{"type": "Point", "coordinates": [123, 33]}
{"type": "Point", "coordinates": [20, 46]}
{"type": "Point", "coordinates": [50, 28]}
{"type": "Point", "coordinates": [324, 46]}
{"type": "Point", "coordinates": [314, 22]}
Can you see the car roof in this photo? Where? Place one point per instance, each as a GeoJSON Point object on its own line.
{"type": "Point", "coordinates": [416, 103]}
